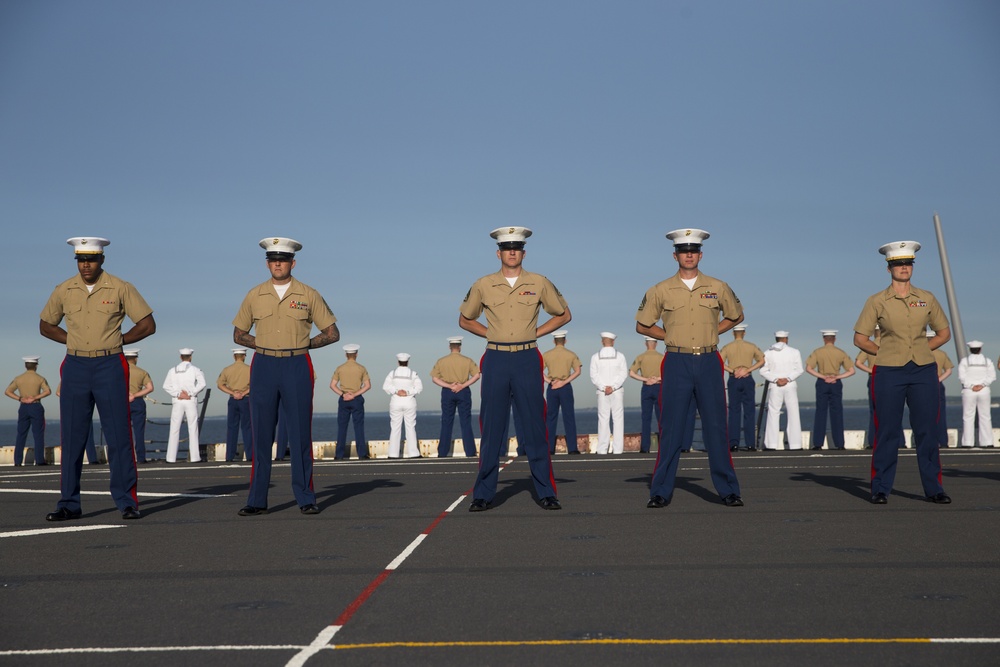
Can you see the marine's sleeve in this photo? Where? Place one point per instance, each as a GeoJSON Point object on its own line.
{"type": "Point", "coordinates": [649, 308]}
{"type": "Point", "coordinates": [552, 299]}
{"type": "Point", "coordinates": [53, 313]}
{"type": "Point", "coordinates": [867, 319]}
{"type": "Point", "coordinates": [729, 303]}
{"type": "Point", "coordinates": [811, 360]}
{"type": "Point", "coordinates": [244, 316]}
{"type": "Point", "coordinates": [937, 320]}
{"type": "Point", "coordinates": [472, 305]}
{"type": "Point", "coordinates": [321, 314]}
{"type": "Point", "coordinates": [135, 306]}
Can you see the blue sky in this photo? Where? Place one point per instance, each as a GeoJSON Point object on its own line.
{"type": "Point", "coordinates": [391, 137]}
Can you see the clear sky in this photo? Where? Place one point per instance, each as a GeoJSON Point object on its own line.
{"type": "Point", "coordinates": [390, 137]}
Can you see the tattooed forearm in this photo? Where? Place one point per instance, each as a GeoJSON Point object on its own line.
{"type": "Point", "coordinates": [244, 338]}
{"type": "Point", "coordinates": [328, 335]}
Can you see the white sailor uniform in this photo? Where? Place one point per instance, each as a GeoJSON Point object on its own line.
{"type": "Point", "coordinates": [782, 361]}
{"type": "Point", "coordinates": [403, 410]}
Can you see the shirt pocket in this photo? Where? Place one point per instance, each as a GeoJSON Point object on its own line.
{"type": "Point", "coordinates": [298, 314]}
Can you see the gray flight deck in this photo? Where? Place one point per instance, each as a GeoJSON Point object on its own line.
{"type": "Point", "coordinates": [807, 573]}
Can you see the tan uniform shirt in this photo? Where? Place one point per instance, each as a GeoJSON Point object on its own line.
{"type": "Point", "coordinates": [137, 379]}
{"type": "Point", "coordinates": [94, 319]}
{"type": "Point", "coordinates": [648, 364]}
{"type": "Point", "coordinates": [741, 353]}
{"type": "Point", "coordinates": [903, 322]}
{"type": "Point", "coordinates": [28, 383]}
{"type": "Point", "coordinates": [828, 360]}
{"type": "Point", "coordinates": [351, 376]}
{"type": "Point", "coordinates": [512, 312]}
{"type": "Point", "coordinates": [283, 324]}
{"type": "Point", "coordinates": [454, 368]}
{"type": "Point", "coordinates": [942, 361]}
{"type": "Point", "coordinates": [235, 377]}
{"type": "Point", "coordinates": [690, 317]}
{"type": "Point", "coordinates": [560, 362]}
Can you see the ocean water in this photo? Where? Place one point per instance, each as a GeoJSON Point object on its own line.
{"type": "Point", "coordinates": [213, 429]}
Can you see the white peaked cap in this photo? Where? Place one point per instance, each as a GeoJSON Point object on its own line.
{"type": "Point", "coordinates": [899, 250]}
{"type": "Point", "coordinates": [88, 245]}
{"type": "Point", "coordinates": [280, 244]}
{"type": "Point", "coordinates": [511, 234]}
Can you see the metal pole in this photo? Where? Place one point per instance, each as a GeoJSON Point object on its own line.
{"type": "Point", "coordinates": [956, 319]}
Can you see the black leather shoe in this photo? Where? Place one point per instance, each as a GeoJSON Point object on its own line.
{"type": "Point", "coordinates": [657, 502]}
{"type": "Point", "coordinates": [252, 511]}
{"type": "Point", "coordinates": [550, 503]}
{"type": "Point", "coordinates": [733, 500]}
{"type": "Point", "coordinates": [63, 514]}
{"type": "Point", "coordinates": [130, 513]}
{"type": "Point", "coordinates": [734, 449]}
{"type": "Point", "coordinates": [479, 505]}
{"type": "Point", "coordinates": [879, 499]}
{"type": "Point", "coordinates": [310, 509]}
{"type": "Point", "coordinates": [575, 452]}
{"type": "Point", "coordinates": [940, 498]}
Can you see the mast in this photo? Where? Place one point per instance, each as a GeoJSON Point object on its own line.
{"type": "Point", "coordinates": [949, 287]}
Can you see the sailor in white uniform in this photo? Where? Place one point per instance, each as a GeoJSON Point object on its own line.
{"type": "Point", "coordinates": [184, 382]}
{"type": "Point", "coordinates": [402, 385]}
{"type": "Point", "coordinates": [976, 373]}
{"type": "Point", "coordinates": [782, 365]}
{"type": "Point", "coordinates": [608, 372]}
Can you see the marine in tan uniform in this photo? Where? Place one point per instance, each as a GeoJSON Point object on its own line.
{"type": "Point", "coordinates": [455, 374]}
{"type": "Point", "coordinates": [695, 309]}
{"type": "Point", "coordinates": [740, 358]}
{"type": "Point", "coordinates": [646, 368]}
{"type": "Point", "coordinates": [140, 385]}
{"type": "Point", "coordinates": [904, 373]}
{"type": "Point", "coordinates": [561, 367]}
{"type": "Point", "coordinates": [28, 389]}
{"type": "Point", "coordinates": [512, 365]}
{"type": "Point", "coordinates": [829, 365]}
{"type": "Point", "coordinates": [94, 304]}
{"type": "Point", "coordinates": [234, 380]}
{"type": "Point", "coordinates": [350, 381]}
{"type": "Point", "coordinates": [282, 311]}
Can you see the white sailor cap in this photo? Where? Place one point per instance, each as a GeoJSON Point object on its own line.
{"type": "Point", "coordinates": [511, 237]}
{"type": "Point", "coordinates": [352, 348]}
{"type": "Point", "coordinates": [30, 360]}
{"type": "Point", "coordinates": [185, 351]}
{"type": "Point", "coordinates": [828, 332]}
{"type": "Point", "coordinates": [560, 334]}
{"type": "Point", "coordinates": [900, 251]}
{"type": "Point", "coordinates": [688, 238]}
{"type": "Point", "coordinates": [240, 350]}
{"type": "Point", "coordinates": [455, 340]}
{"type": "Point", "coordinates": [650, 339]}
{"type": "Point", "coordinates": [131, 352]}
{"type": "Point", "coordinates": [781, 334]}
{"type": "Point", "coordinates": [88, 245]}
{"type": "Point", "coordinates": [402, 356]}
{"type": "Point", "coordinates": [278, 247]}
{"type": "Point", "coordinates": [608, 334]}
{"type": "Point", "coordinates": [740, 327]}
{"type": "Point", "coordinates": [975, 343]}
